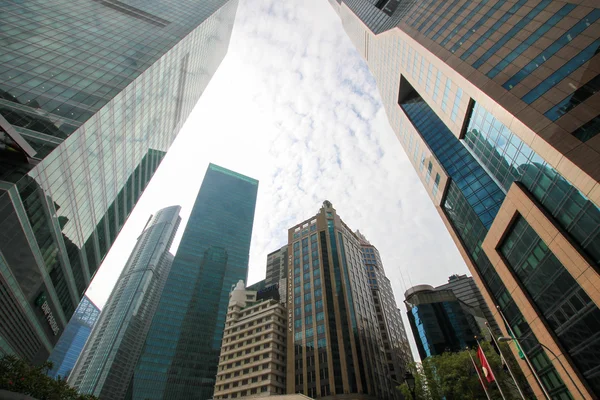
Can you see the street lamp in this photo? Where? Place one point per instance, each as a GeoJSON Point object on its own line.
{"type": "Point", "coordinates": [410, 382]}
{"type": "Point", "coordinates": [508, 339]}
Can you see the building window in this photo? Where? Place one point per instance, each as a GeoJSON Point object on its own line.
{"type": "Point", "coordinates": [570, 313]}
{"type": "Point", "coordinates": [456, 105]}
{"type": "Point", "coordinates": [428, 175]}
{"type": "Point", "coordinates": [436, 185]}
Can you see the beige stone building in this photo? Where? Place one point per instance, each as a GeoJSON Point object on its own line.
{"type": "Point", "coordinates": [252, 361]}
{"type": "Point", "coordinates": [335, 346]}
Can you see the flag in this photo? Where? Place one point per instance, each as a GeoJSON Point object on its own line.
{"type": "Point", "coordinates": [485, 367]}
{"type": "Point", "coordinates": [510, 333]}
{"type": "Point", "coordinates": [516, 342]}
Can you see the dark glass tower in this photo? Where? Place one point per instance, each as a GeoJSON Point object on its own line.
{"type": "Point", "coordinates": [92, 94]}
{"type": "Point", "coordinates": [276, 266]}
{"type": "Point", "coordinates": [71, 343]}
{"type": "Point", "coordinates": [440, 322]}
{"type": "Point", "coordinates": [181, 354]}
{"type": "Point", "coordinates": [495, 103]}
{"type": "Point", "coordinates": [111, 353]}
{"type": "Point", "coordinates": [465, 290]}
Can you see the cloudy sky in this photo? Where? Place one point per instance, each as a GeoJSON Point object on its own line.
{"type": "Point", "coordinates": [294, 106]}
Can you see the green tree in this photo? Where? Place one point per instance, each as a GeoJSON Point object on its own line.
{"type": "Point", "coordinates": [452, 375]}
{"type": "Point", "coordinates": [18, 376]}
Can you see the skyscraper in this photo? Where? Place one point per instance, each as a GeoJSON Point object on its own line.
{"type": "Point", "coordinates": [106, 365]}
{"type": "Point", "coordinates": [494, 103]}
{"type": "Point", "coordinates": [440, 322]}
{"type": "Point", "coordinates": [71, 343]}
{"type": "Point", "coordinates": [395, 342]}
{"type": "Point", "coordinates": [276, 266]}
{"type": "Point", "coordinates": [181, 353]}
{"type": "Point", "coordinates": [335, 347]}
{"type": "Point", "coordinates": [92, 93]}
{"type": "Point", "coordinates": [465, 290]}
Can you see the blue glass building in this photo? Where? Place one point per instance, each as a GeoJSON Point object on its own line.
{"type": "Point", "coordinates": [106, 365]}
{"type": "Point", "coordinates": [71, 343]}
{"type": "Point", "coordinates": [440, 322]}
{"type": "Point", "coordinates": [495, 104]}
{"type": "Point", "coordinates": [92, 94]}
{"type": "Point", "coordinates": [181, 353]}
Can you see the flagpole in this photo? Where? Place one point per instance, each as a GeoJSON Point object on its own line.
{"type": "Point", "coordinates": [478, 375]}
{"type": "Point", "coordinates": [505, 361]}
{"type": "Point", "coordinates": [511, 333]}
{"type": "Point", "coordinates": [495, 379]}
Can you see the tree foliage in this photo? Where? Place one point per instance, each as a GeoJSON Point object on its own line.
{"type": "Point", "coordinates": [452, 375]}
{"type": "Point", "coordinates": [18, 376]}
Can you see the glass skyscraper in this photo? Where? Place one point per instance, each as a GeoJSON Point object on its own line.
{"type": "Point", "coordinates": [495, 103]}
{"type": "Point", "coordinates": [112, 351]}
{"type": "Point", "coordinates": [181, 353]}
{"type": "Point", "coordinates": [440, 322]}
{"type": "Point", "coordinates": [71, 343]}
{"type": "Point", "coordinates": [92, 94]}
{"type": "Point", "coordinates": [465, 290]}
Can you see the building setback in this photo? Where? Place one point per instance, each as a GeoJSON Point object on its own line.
{"type": "Point", "coordinates": [335, 346]}
{"type": "Point", "coordinates": [181, 353]}
{"type": "Point", "coordinates": [395, 342]}
{"type": "Point", "coordinates": [253, 356]}
{"type": "Point", "coordinates": [92, 94]}
{"type": "Point", "coordinates": [71, 343]}
{"type": "Point", "coordinates": [106, 365]}
{"type": "Point", "coordinates": [494, 103]}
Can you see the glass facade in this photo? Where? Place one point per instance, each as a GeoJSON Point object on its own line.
{"type": "Point", "coordinates": [380, 15]}
{"type": "Point", "coordinates": [508, 160]}
{"type": "Point", "coordinates": [181, 353]}
{"type": "Point", "coordinates": [71, 343]}
{"type": "Point", "coordinates": [92, 95]}
{"type": "Point", "coordinates": [564, 305]}
{"type": "Point", "coordinates": [440, 323]}
{"type": "Point", "coordinates": [107, 362]}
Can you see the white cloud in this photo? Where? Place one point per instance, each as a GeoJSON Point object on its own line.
{"type": "Point", "coordinates": [294, 106]}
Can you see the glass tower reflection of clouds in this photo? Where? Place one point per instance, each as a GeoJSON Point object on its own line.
{"type": "Point", "coordinates": [92, 94]}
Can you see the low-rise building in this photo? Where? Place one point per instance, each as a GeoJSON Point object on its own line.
{"type": "Point", "coordinates": [252, 361]}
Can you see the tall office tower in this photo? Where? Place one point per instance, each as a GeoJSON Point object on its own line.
{"type": "Point", "coordinates": [92, 93]}
{"type": "Point", "coordinates": [495, 104]}
{"type": "Point", "coordinates": [465, 290]}
{"type": "Point", "coordinates": [181, 354]}
{"type": "Point", "coordinates": [335, 346]}
{"type": "Point", "coordinates": [71, 343]}
{"type": "Point", "coordinates": [106, 365]}
{"type": "Point", "coordinates": [395, 342]}
{"type": "Point", "coordinates": [440, 322]}
{"type": "Point", "coordinates": [253, 356]}
{"type": "Point", "coordinates": [276, 266]}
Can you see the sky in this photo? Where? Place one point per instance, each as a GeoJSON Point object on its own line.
{"type": "Point", "coordinates": [294, 106]}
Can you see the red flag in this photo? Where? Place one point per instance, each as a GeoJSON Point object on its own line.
{"type": "Point", "coordinates": [485, 367]}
